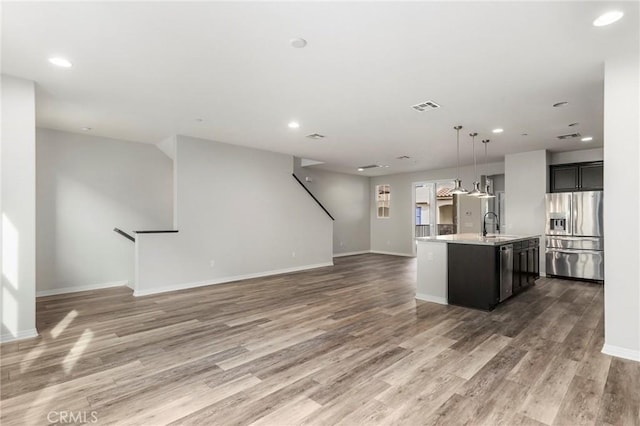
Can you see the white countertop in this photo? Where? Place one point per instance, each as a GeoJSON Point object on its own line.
{"type": "Point", "coordinates": [478, 239]}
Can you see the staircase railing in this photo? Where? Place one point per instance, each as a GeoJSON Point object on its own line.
{"type": "Point", "coordinates": [312, 196]}
{"type": "Point", "coordinates": [124, 234]}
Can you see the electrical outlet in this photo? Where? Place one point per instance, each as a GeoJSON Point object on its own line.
{"type": "Point", "coordinates": [293, 254]}
{"type": "Point", "coordinates": [212, 263]}
{"type": "Point", "coordinates": [341, 243]}
{"type": "Point", "coordinates": [388, 242]}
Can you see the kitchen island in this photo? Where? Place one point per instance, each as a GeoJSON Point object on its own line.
{"type": "Point", "coordinates": [475, 271]}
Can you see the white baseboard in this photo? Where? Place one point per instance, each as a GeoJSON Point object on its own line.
{"type": "Point", "coordinates": [25, 334]}
{"type": "Point", "coordinates": [617, 351]}
{"type": "Point", "coordinates": [430, 298]}
{"type": "Point", "coordinates": [65, 290]}
{"type": "Point", "coordinates": [391, 253]}
{"type": "Point", "coordinates": [184, 286]}
{"type": "Point", "coordinates": [352, 253]}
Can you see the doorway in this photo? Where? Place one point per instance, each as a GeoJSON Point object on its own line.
{"type": "Point", "coordinates": [432, 209]}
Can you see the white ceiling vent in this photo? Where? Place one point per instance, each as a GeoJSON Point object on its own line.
{"type": "Point", "coordinates": [370, 166]}
{"type": "Point", "coordinates": [315, 136]}
{"type": "Point", "coordinates": [403, 157]}
{"type": "Point", "coordinates": [425, 106]}
{"type": "Point", "coordinates": [569, 136]}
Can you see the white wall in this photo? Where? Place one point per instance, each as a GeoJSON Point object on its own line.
{"type": "Point", "coordinates": [86, 186]}
{"type": "Point", "coordinates": [223, 234]}
{"type": "Point", "coordinates": [470, 213]}
{"type": "Point", "coordinates": [526, 175]}
{"type": "Point", "coordinates": [583, 155]}
{"type": "Point", "coordinates": [395, 234]}
{"type": "Point", "coordinates": [18, 205]}
{"type": "Point", "coordinates": [346, 197]}
{"type": "Point", "coordinates": [621, 207]}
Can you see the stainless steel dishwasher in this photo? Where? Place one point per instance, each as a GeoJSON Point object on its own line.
{"type": "Point", "coordinates": [506, 271]}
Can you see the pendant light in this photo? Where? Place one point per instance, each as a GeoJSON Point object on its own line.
{"type": "Point", "coordinates": [487, 189]}
{"type": "Point", "coordinates": [476, 185]}
{"type": "Point", "coordinates": [458, 189]}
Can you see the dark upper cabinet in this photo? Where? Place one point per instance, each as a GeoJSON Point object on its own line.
{"type": "Point", "coordinates": [577, 177]}
{"type": "Point", "coordinates": [591, 177]}
{"type": "Point", "coordinates": [564, 178]}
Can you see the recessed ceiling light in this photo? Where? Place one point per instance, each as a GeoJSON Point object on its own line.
{"type": "Point", "coordinates": [298, 43]}
{"type": "Point", "coordinates": [60, 62]}
{"type": "Point", "coordinates": [587, 139]}
{"type": "Point", "coordinates": [498, 130]}
{"type": "Point", "coordinates": [360, 169]}
{"type": "Point", "coordinates": [608, 18]}
{"type": "Point", "coordinates": [86, 129]}
{"type": "Point", "coordinates": [293, 125]}
{"type": "Point", "coordinates": [560, 104]}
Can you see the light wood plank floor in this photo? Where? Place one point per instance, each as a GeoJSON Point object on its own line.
{"type": "Point", "coordinates": [343, 345]}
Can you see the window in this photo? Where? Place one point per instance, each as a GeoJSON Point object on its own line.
{"type": "Point", "coordinates": [382, 201]}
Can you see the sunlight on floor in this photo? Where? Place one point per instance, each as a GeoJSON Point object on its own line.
{"type": "Point", "coordinates": [33, 355]}
{"type": "Point", "coordinates": [76, 351]}
{"type": "Point", "coordinates": [62, 325]}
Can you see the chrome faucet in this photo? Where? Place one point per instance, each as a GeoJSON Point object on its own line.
{"type": "Point", "coordinates": [484, 223]}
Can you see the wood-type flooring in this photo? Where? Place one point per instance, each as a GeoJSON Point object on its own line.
{"type": "Point", "coordinates": [341, 345]}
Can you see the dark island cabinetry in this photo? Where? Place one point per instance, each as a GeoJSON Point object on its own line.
{"type": "Point", "coordinates": [526, 264]}
{"type": "Point", "coordinates": [474, 272]}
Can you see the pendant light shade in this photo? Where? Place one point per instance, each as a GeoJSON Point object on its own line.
{"type": "Point", "coordinates": [458, 189]}
{"type": "Point", "coordinates": [487, 192]}
{"type": "Point", "coordinates": [487, 188]}
{"type": "Point", "coordinates": [476, 190]}
{"type": "Point", "coordinates": [476, 185]}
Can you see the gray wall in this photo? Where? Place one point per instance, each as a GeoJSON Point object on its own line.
{"type": "Point", "coordinates": [622, 207]}
{"type": "Point", "coordinates": [86, 186]}
{"type": "Point", "coordinates": [526, 176]}
{"type": "Point", "coordinates": [395, 234]}
{"type": "Point", "coordinates": [346, 197]}
{"type": "Point", "coordinates": [240, 214]}
{"type": "Point", "coordinates": [595, 154]}
{"type": "Point", "coordinates": [498, 182]}
{"type": "Point", "coordinates": [18, 204]}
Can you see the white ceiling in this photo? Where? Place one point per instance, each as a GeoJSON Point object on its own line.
{"type": "Point", "coordinates": [145, 71]}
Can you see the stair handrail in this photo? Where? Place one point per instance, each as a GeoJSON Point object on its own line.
{"type": "Point", "coordinates": [312, 196]}
{"type": "Point", "coordinates": [124, 234]}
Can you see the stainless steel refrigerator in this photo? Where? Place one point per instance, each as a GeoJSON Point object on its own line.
{"type": "Point", "coordinates": [574, 235]}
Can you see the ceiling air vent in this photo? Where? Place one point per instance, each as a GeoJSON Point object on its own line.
{"type": "Point", "coordinates": [403, 157]}
{"type": "Point", "coordinates": [315, 136]}
{"type": "Point", "coordinates": [569, 136]}
{"type": "Point", "coordinates": [425, 106]}
{"type": "Point", "coordinates": [370, 166]}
